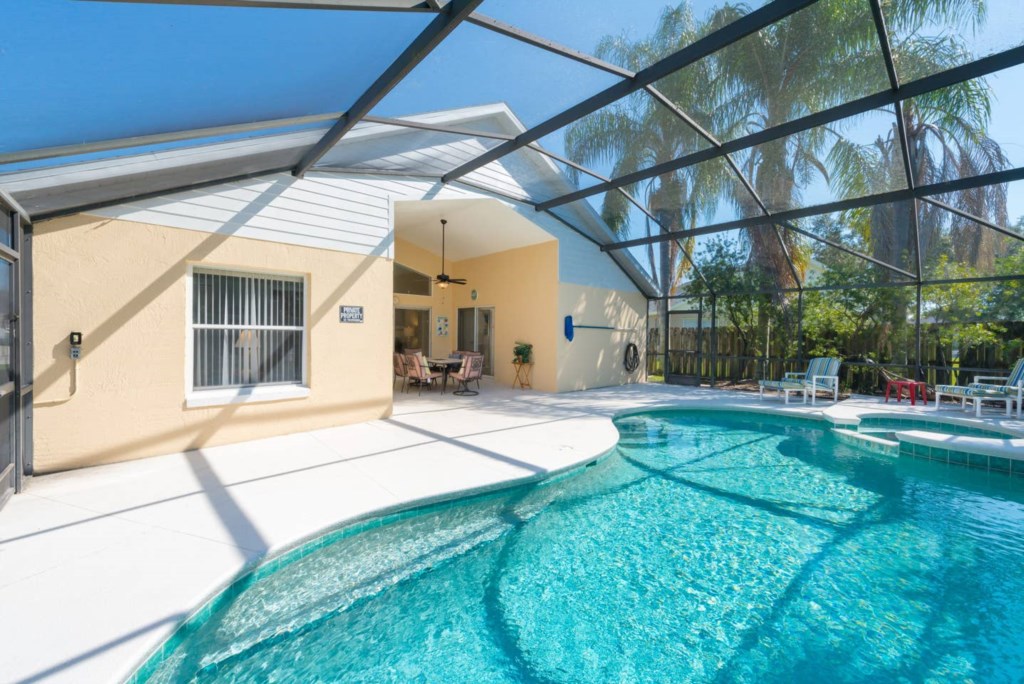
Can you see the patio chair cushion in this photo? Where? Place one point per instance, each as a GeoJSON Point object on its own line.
{"type": "Point", "coordinates": [463, 372]}
{"type": "Point", "coordinates": [782, 384]}
{"type": "Point", "coordinates": [824, 366]}
{"type": "Point", "coordinates": [1001, 389]}
{"type": "Point", "coordinates": [1017, 374]}
{"type": "Point", "coordinates": [1013, 381]}
{"type": "Point", "coordinates": [958, 391]}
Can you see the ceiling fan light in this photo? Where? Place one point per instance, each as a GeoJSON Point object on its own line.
{"type": "Point", "coordinates": [443, 284]}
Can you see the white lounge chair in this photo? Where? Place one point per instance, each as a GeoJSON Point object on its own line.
{"type": "Point", "coordinates": [1011, 390]}
{"type": "Point", "coordinates": [821, 373]}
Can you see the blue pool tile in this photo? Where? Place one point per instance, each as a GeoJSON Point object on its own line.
{"type": "Point", "coordinates": [999, 463]}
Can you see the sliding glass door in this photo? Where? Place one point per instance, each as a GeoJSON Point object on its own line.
{"type": "Point", "coordinates": [15, 451]}
{"type": "Point", "coordinates": [476, 333]}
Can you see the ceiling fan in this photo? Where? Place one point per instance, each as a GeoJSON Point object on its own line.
{"type": "Point", "coordinates": [443, 279]}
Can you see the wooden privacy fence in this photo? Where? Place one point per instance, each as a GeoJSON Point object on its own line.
{"type": "Point", "coordinates": [720, 358]}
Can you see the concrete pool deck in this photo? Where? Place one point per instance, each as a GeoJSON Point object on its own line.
{"type": "Point", "coordinates": [98, 566]}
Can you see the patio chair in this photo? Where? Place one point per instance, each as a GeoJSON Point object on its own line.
{"type": "Point", "coordinates": [821, 373]}
{"type": "Point", "coordinates": [1011, 390]}
{"type": "Point", "coordinates": [419, 372]}
{"type": "Point", "coordinates": [471, 369]}
{"type": "Point", "coordinates": [464, 354]}
{"type": "Point", "coordinates": [398, 362]}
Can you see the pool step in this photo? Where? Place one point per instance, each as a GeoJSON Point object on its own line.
{"type": "Point", "coordinates": [311, 615]}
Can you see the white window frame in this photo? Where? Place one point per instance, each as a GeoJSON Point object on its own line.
{"type": "Point", "coordinates": [197, 398]}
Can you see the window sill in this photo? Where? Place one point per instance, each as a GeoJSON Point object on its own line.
{"type": "Point", "coordinates": [244, 395]}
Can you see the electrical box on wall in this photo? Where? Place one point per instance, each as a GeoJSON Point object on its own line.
{"type": "Point", "coordinates": [75, 339]}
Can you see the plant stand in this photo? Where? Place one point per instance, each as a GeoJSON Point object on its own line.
{"type": "Point", "coordinates": [522, 374]}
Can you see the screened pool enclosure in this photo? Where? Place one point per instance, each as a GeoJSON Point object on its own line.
{"type": "Point", "coordinates": [782, 179]}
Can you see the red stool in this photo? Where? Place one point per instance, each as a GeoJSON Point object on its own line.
{"type": "Point", "coordinates": [912, 386]}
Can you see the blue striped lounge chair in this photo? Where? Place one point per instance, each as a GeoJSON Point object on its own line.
{"type": "Point", "coordinates": [821, 373]}
{"type": "Point", "coordinates": [1009, 391]}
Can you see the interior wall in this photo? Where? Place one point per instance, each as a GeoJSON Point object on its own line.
{"type": "Point", "coordinates": [595, 357]}
{"type": "Point", "coordinates": [518, 283]}
{"type": "Point", "coordinates": [440, 301]}
{"type": "Point", "coordinates": [123, 285]}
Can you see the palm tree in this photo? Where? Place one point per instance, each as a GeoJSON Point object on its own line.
{"type": "Point", "coordinates": [638, 132]}
{"type": "Point", "coordinates": [816, 58]}
{"type": "Point", "coordinates": [947, 138]}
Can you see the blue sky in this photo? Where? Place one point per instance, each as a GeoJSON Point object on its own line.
{"type": "Point", "coordinates": [90, 71]}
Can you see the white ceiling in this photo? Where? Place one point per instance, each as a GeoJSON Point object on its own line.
{"type": "Point", "coordinates": [475, 227]}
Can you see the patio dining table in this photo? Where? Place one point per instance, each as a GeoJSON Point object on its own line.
{"type": "Point", "coordinates": [445, 364]}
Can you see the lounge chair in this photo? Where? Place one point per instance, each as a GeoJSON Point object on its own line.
{"type": "Point", "coordinates": [1011, 390]}
{"type": "Point", "coordinates": [821, 373]}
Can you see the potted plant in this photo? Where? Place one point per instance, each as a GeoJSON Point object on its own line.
{"type": "Point", "coordinates": [523, 352]}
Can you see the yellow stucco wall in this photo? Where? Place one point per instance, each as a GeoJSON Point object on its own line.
{"type": "Point", "coordinates": [520, 284]}
{"type": "Point", "coordinates": [594, 357]}
{"type": "Point", "coordinates": [123, 284]}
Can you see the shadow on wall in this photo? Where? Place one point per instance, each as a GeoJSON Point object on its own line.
{"type": "Point", "coordinates": [51, 371]}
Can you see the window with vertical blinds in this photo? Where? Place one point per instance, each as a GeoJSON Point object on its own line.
{"type": "Point", "coordinates": [247, 329]}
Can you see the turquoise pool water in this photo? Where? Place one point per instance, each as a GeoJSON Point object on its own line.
{"type": "Point", "coordinates": [709, 547]}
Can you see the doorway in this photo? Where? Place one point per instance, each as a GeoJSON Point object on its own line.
{"type": "Point", "coordinates": [476, 333]}
{"type": "Point", "coordinates": [15, 362]}
{"type": "Point", "coordinates": [683, 362]}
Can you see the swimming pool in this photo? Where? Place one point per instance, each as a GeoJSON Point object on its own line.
{"type": "Point", "coordinates": [708, 547]}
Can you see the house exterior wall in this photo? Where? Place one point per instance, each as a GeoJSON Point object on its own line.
{"type": "Point", "coordinates": [123, 285]}
{"type": "Point", "coordinates": [348, 213]}
{"type": "Point", "coordinates": [119, 275]}
{"type": "Point", "coordinates": [594, 358]}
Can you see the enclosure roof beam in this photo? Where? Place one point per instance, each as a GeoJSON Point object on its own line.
{"type": "Point", "coordinates": [632, 200]}
{"type": "Point", "coordinates": [424, 126]}
{"type": "Point", "coordinates": [923, 191]}
{"type": "Point", "coordinates": [516, 33]}
{"type": "Point", "coordinates": [869, 286]}
{"type": "Point", "coordinates": [682, 248]}
{"type": "Point", "coordinates": [356, 171]}
{"type": "Point", "coordinates": [454, 13]}
{"type": "Point", "coordinates": [843, 248]}
{"type": "Point", "coordinates": [159, 138]}
{"type": "Point", "coordinates": [709, 44]}
{"type": "Point", "coordinates": [976, 69]}
{"type": "Point", "coordinates": [346, 5]}
{"type": "Point", "coordinates": [906, 153]}
{"type": "Point", "coordinates": [884, 44]}
{"type": "Point", "coordinates": [13, 205]}
{"type": "Point", "coordinates": [971, 217]}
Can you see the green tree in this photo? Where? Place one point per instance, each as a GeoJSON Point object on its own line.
{"type": "Point", "coordinates": [638, 132]}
